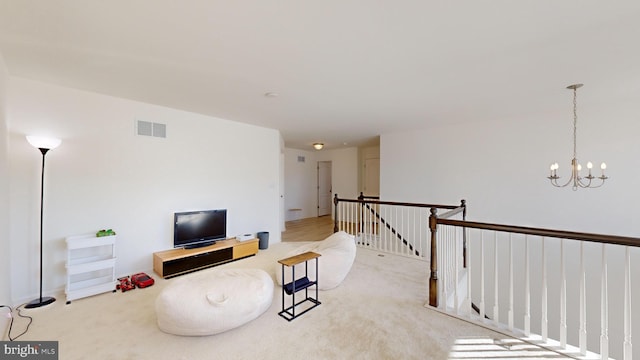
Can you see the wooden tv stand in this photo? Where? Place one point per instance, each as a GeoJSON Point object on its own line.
{"type": "Point", "coordinates": [174, 262]}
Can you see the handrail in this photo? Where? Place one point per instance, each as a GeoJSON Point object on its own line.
{"type": "Point", "coordinates": [453, 212]}
{"type": "Point", "coordinates": [336, 199]}
{"type": "Point", "coordinates": [599, 238]}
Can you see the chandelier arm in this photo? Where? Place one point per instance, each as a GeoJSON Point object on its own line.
{"type": "Point", "coordinates": [582, 184]}
{"type": "Point", "coordinates": [554, 181]}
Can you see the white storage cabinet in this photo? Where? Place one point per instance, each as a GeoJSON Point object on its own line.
{"type": "Point", "coordinates": [91, 264]}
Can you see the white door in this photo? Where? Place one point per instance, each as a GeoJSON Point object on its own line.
{"type": "Point", "coordinates": [372, 177]}
{"type": "Point", "coordinates": [324, 188]}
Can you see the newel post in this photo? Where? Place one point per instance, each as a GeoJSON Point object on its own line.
{"type": "Point", "coordinates": [465, 260]}
{"type": "Point", "coordinates": [433, 279]}
{"type": "Point", "coordinates": [335, 213]}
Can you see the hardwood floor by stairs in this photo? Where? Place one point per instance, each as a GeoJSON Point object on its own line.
{"type": "Point", "coordinates": [309, 229]}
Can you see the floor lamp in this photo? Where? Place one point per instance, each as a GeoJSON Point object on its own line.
{"type": "Point", "coordinates": [44, 144]}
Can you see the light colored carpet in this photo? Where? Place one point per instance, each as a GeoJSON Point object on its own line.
{"type": "Point", "coordinates": [376, 313]}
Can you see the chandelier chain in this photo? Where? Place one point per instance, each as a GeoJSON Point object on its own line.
{"type": "Point", "coordinates": [575, 122]}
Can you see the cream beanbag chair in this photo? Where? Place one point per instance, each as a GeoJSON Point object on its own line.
{"type": "Point", "coordinates": [338, 252]}
{"type": "Point", "coordinates": [213, 301]}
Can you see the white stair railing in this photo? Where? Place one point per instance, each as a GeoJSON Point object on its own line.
{"type": "Point", "coordinates": [533, 255]}
{"type": "Point", "coordinates": [393, 227]}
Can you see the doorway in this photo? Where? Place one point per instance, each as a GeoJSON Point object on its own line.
{"type": "Point", "coordinates": [324, 188]}
{"type": "Point", "coordinates": [372, 177]}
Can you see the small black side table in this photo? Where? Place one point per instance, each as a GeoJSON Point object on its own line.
{"type": "Point", "coordinates": [294, 286]}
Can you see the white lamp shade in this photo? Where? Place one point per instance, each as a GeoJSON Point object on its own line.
{"type": "Point", "coordinates": [318, 146]}
{"type": "Point", "coordinates": [42, 142]}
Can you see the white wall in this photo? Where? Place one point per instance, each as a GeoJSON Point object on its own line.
{"type": "Point", "coordinates": [500, 170]}
{"type": "Point", "coordinates": [5, 277]}
{"type": "Point", "coordinates": [105, 176]}
{"type": "Point", "coordinates": [344, 171]}
{"type": "Point", "coordinates": [301, 179]}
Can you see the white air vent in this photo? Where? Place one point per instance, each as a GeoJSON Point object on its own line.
{"type": "Point", "coordinates": [146, 128]}
{"type": "Point", "coordinates": [300, 158]}
{"type": "Point", "coordinates": [160, 130]}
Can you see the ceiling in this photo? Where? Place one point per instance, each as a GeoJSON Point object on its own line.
{"type": "Point", "coordinates": [344, 71]}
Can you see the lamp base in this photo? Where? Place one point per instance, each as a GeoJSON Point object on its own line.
{"type": "Point", "coordinates": [40, 302]}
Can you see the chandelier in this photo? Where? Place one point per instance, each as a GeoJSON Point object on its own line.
{"type": "Point", "coordinates": [576, 180]}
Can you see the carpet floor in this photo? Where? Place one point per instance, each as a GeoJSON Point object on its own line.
{"type": "Point", "coordinates": [376, 313]}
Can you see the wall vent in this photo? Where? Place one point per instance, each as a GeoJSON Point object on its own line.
{"type": "Point", "coordinates": [146, 128]}
{"type": "Point", "coordinates": [300, 158]}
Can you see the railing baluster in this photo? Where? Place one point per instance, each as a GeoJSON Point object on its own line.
{"type": "Point", "coordinates": [496, 310]}
{"type": "Point", "coordinates": [395, 242]}
{"type": "Point", "coordinates": [468, 264]}
{"type": "Point", "coordinates": [344, 217]}
{"type": "Point", "coordinates": [352, 221]}
{"type": "Point", "coordinates": [510, 315]}
{"type": "Point", "coordinates": [627, 348]}
{"type": "Point", "coordinates": [527, 291]}
{"type": "Point", "coordinates": [349, 224]}
{"type": "Point", "coordinates": [544, 322]}
{"type": "Point", "coordinates": [420, 233]}
{"type": "Point", "coordinates": [604, 308]}
{"type": "Point", "coordinates": [482, 276]}
{"type": "Point", "coordinates": [563, 298]}
{"type": "Point", "coordinates": [583, 304]}
{"type": "Point", "coordinates": [455, 271]}
{"type": "Point", "coordinates": [444, 265]}
{"type": "Point", "coordinates": [383, 229]}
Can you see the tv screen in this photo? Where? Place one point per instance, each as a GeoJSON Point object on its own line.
{"type": "Point", "coordinates": [199, 228]}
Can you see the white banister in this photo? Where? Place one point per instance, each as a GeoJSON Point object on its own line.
{"type": "Point", "coordinates": [456, 272]}
{"type": "Point", "coordinates": [560, 295]}
{"type": "Point", "coordinates": [482, 313]}
{"type": "Point", "coordinates": [443, 266]}
{"type": "Point", "coordinates": [627, 347]}
{"type": "Point", "coordinates": [496, 310]}
{"type": "Point", "coordinates": [469, 267]}
{"type": "Point", "coordinates": [563, 298]}
{"type": "Point", "coordinates": [527, 291]}
{"type": "Point", "coordinates": [510, 315]}
{"type": "Point", "coordinates": [544, 321]}
{"type": "Point", "coordinates": [604, 308]}
{"type": "Point", "coordinates": [583, 304]}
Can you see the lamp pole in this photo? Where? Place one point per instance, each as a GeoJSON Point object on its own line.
{"type": "Point", "coordinates": [52, 143]}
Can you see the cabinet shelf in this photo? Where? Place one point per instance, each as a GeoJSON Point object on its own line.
{"type": "Point", "coordinates": [90, 265]}
{"type": "Point", "coordinates": [174, 262]}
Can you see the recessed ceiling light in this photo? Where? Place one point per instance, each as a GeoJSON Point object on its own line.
{"type": "Point", "coordinates": [271, 94]}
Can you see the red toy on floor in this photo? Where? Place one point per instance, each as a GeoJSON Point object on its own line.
{"type": "Point", "coordinates": [125, 284]}
{"type": "Point", "coordinates": [142, 280]}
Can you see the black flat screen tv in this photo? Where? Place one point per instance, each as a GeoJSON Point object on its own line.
{"type": "Point", "coordinates": [199, 228]}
